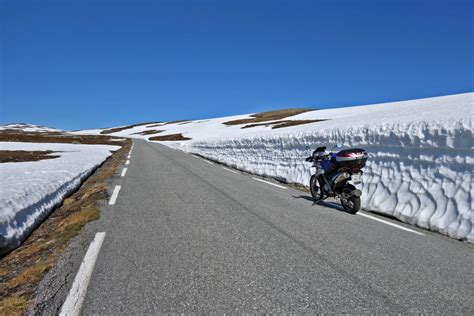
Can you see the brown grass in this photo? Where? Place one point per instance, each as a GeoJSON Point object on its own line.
{"type": "Point", "coordinates": [119, 129]}
{"type": "Point", "coordinates": [282, 124]}
{"type": "Point", "coordinates": [171, 137]}
{"type": "Point", "coordinates": [32, 274]}
{"type": "Point", "coordinates": [179, 121]}
{"type": "Point", "coordinates": [13, 130]}
{"type": "Point", "coordinates": [149, 132]}
{"type": "Point", "coordinates": [13, 306]}
{"type": "Point", "coordinates": [22, 269]}
{"type": "Point", "coordinates": [18, 136]}
{"type": "Point", "coordinates": [23, 156]}
{"type": "Point", "coordinates": [296, 122]}
{"type": "Point", "coordinates": [156, 125]}
{"type": "Point", "coordinates": [268, 116]}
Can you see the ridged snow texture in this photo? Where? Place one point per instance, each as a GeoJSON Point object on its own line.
{"type": "Point", "coordinates": [421, 173]}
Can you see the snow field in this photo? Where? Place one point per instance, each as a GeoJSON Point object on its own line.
{"type": "Point", "coordinates": [30, 190]}
{"type": "Point", "coordinates": [28, 128]}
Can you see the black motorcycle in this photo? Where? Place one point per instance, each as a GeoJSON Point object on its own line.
{"type": "Point", "coordinates": [332, 173]}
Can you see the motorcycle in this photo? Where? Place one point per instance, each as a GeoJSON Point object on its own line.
{"type": "Point", "coordinates": [332, 174]}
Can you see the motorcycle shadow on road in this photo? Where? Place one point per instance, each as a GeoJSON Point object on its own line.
{"type": "Point", "coordinates": [329, 204]}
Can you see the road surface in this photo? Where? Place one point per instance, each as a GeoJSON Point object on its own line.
{"type": "Point", "coordinates": [185, 235]}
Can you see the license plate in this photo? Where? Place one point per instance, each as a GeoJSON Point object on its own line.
{"type": "Point", "coordinates": [356, 178]}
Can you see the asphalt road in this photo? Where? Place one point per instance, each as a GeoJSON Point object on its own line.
{"type": "Point", "coordinates": [189, 236]}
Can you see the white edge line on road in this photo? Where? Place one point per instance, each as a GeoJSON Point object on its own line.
{"type": "Point", "coordinates": [124, 171]}
{"type": "Point", "coordinates": [229, 170]}
{"type": "Point", "coordinates": [114, 196]}
{"type": "Point", "coordinates": [195, 156]}
{"type": "Point", "coordinates": [127, 162]}
{"type": "Point", "coordinates": [128, 157]}
{"type": "Point", "coordinates": [209, 162]}
{"type": "Point", "coordinates": [391, 224]}
{"type": "Point", "coordinates": [267, 182]}
{"type": "Point", "coordinates": [73, 303]}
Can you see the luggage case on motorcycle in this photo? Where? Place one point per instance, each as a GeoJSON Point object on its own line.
{"type": "Point", "coordinates": [353, 157]}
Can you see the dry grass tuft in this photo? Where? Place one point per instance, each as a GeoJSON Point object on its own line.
{"type": "Point", "coordinates": [149, 132]}
{"type": "Point", "coordinates": [179, 121]}
{"type": "Point", "coordinates": [13, 305]}
{"type": "Point", "coordinates": [171, 137]}
{"type": "Point", "coordinates": [282, 124]}
{"type": "Point", "coordinates": [119, 129]}
{"type": "Point", "coordinates": [32, 274]}
{"type": "Point", "coordinates": [19, 136]}
{"type": "Point", "coordinates": [23, 156]}
{"type": "Point", "coordinates": [88, 213]}
{"type": "Point", "coordinates": [296, 122]}
{"type": "Point", "coordinates": [268, 116]}
{"type": "Point", "coordinates": [23, 268]}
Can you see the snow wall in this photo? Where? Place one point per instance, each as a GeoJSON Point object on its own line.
{"type": "Point", "coordinates": [14, 230]}
{"type": "Point", "coordinates": [421, 173]}
{"type": "Point", "coordinates": [29, 191]}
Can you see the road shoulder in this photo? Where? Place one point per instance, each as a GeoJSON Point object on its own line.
{"type": "Point", "coordinates": [23, 269]}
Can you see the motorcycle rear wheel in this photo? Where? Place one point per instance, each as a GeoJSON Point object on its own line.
{"type": "Point", "coordinates": [314, 188]}
{"type": "Point", "coordinates": [351, 205]}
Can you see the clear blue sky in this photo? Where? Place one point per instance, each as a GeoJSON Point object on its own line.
{"type": "Point", "coordinates": [85, 64]}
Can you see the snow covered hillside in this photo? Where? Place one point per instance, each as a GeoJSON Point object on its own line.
{"type": "Point", "coordinates": [420, 153]}
{"type": "Point", "coordinates": [30, 190]}
{"type": "Point", "coordinates": [22, 127]}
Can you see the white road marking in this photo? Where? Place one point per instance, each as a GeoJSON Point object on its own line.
{"type": "Point", "coordinates": [114, 196]}
{"type": "Point", "coordinates": [73, 303]}
{"type": "Point", "coordinates": [209, 162]}
{"type": "Point", "coordinates": [230, 170]}
{"type": "Point", "coordinates": [195, 156]}
{"type": "Point", "coordinates": [124, 171]}
{"type": "Point", "coordinates": [267, 182]}
{"type": "Point", "coordinates": [391, 224]}
{"type": "Point", "coordinates": [127, 162]}
{"type": "Point", "coordinates": [128, 157]}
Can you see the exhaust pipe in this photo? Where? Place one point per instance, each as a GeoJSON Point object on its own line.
{"type": "Point", "coordinates": [341, 177]}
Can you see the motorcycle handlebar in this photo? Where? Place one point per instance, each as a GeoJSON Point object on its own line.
{"type": "Point", "coordinates": [312, 158]}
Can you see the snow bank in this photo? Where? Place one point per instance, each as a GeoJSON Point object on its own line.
{"type": "Point", "coordinates": [420, 158]}
{"type": "Point", "coordinates": [30, 190]}
{"type": "Point", "coordinates": [420, 174]}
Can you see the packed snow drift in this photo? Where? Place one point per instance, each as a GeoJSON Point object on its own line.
{"type": "Point", "coordinates": [420, 154]}
{"type": "Point", "coordinates": [30, 190]}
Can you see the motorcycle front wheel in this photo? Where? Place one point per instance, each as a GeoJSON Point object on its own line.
{"type": "Point", "coordinates": [315, 189]}
{"type": "Point", "coordinates": [351, 205]}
